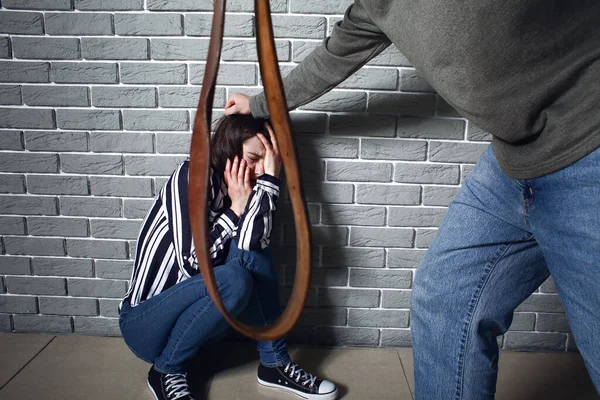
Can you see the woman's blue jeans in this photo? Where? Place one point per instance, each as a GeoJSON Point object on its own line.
{"type": "Point", "coordinates": [500, 239]}
{"type": "Point", "coordinates": [169, 328]}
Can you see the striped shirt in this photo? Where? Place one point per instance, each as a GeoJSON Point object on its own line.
{"type": "Point", "coordinates": [165, 252]}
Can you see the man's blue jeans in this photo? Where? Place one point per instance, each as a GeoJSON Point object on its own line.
{"type": "Point", "coordinates": [169, 328]}
{"type": "Point", "coordinates": [500, 239]}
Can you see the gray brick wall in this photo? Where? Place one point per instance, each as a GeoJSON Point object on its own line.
{"type": "Point", "coordinates": [97, 100]}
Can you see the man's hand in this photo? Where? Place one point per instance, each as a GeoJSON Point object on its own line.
{"type": "Point", "coordinates": [272, 159]}
{"type": "Point", "coordinates": [238, 103]}
{"type": "Point", "coordinates": [237, 179]}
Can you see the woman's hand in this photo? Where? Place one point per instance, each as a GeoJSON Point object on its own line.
{"type": "Point", "coordinates": [237, 179]}
{"type": "Point", "coordinates": [272, 159]}
{"type": "Point", "coordinates": [238, 103]}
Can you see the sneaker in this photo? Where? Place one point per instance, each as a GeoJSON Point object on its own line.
{"type": "Point", "coordinates": [294, 379]}
{"type": "Point", "coordinates": [169, 386]}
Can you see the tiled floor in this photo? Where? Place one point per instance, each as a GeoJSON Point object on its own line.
{"type": "Point", "coordinates": [48, 367]}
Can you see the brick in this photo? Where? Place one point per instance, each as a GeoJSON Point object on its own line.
{"type": "Point", "coordinates": [152, 165]}
{"type": "Point", "coordinates": [42, 323]}
{"type": "Point", "coordinates": [401, 103]}
{"type": "Point", "coordinates": [18, 304]}
{"type": "Point", "coordinates": [411, 81]}
{"type": "Point", "coordinates": [388, 194]}
{"type": "Point", "coordinates": [346, 336]}
{"type": "Point", "coordinates": [359, 171]}
{"type": "Point", "coordinates": [22, 72]}
{"type": "Point", "coordinates": [55, 141]}
{"type": "Point", "coordinates": [168, 120]}
{"type": "Point", "coordinates": [348, 297]}
{"type": "Point", "coordinates": [427, 173]}
{"type": "Point", "coordinates": [477, 134]}
{"type": "Point", "coordinates": [90, 207]}
{"type": "Point", "coordinates": [27, 205]}
{"type": "Point", "coordinates": [429, 128]}
{"type": "Point", "coordinates": [21, 23]}
{"type": "Point", "coordinates": [339, 101]}
{"type": "Point", "coordinates": [554, 322]}
{"type": "Point", "coordinates": [323, 317]}
{"type": "Point", "coordinates": [378, 318]}
{"type": "Point", "coordinates": [121, 142]}
{"type": "Point", "coordinates": [444, 109]}
{"type": "Point", "coordinates": [324, 235]}
{"type": "Point", "coordinates": [12, 183]}
{"type": "Point", "coordinates": [110, 249]}
{"type": "Point", "coordinates": [121, 186]}
{"type": "Point", "coordinates": [464, 171]}
{"type": "Point", "coordinates": [396, 338]}
{"type": "Point", "coordinates": [76, 96]}
{"type": "Point", "coordinates": [12, 225]}
{"type": "Point", "coordinates": [415, 216]}
{"type": "Point", "coordinates": [84, 72]}
{"type": "Point", "coordinates": [390, 57]}
{"type": "Point", "coordinates": [97, 326]}
{"type": "Point", "coordinates": [308, 122]}
{"type": "Point", "coordinates": [109, 5]}
{"type": "Point", "coordinates": [57, 226]}
{"type": "Point", "coordinates": [115, 228]}
{"type": "Point", "coordinates": [353, 215]}
{"type": "Point", "coordinates": [91, 164]}
{"type": "Point", "coordinates": [38, 4]}
{"type": "Point", "coordinates": [402, 258]}
{"type": "Point", "coordinates": [68, 306]}
{"type": "Point", "coordinates": [395, 298]}
{"type": "Point", "coordinates": [380, 278]}
{"type": "Point", "coordinates": [319, 7]}
{"type": "Point", "coordinates": [229, 74]}
{"type": "Point", "coordinates": [322, 277]}
{"type": "Point", "coordinates": [124, 97]}
{"type": "Point", "coordinates": [57, 184]}
{"type": "Point", "coordinates": [5, 323]}
{"type": "Point", "coordinates": [548, 286]}
{"type": "Point", "coordinates": [356, 125]}
{"type": "Point", "coordinates": [28, 162]}
{"type": "Point", "coordinates": [235, 25]}
{"type": "Point", "coordinates": [24, 118]}
{"type": "Point", "coordinates": [15, 265]}
{"type": "Point", "coordinates": [114, 269]}
{"type": "Point", "coordinates": [109, 308]}
{"type": "Point", "coordinates": [535, 341]}
{"type": "Point", "coordinates": [310, 146]}
{"type": "Point", "coordinates": [96, 287]}
{"type": "Point", "coordinates": [571, 345]}
{"type": "Point", "coordinates": [179, 49]}
{"type": "Point", "coordinates": [332, 21]}
{"type": "Point", "coordinates": [5, 50]}
{"type": "Point", "coordinates": [352, 257]}
{"type": "Point", "coordinates": [439, 195]}
{"type": "Point", "coordinates": [47, 48]}
{"type": "Point", "coordinates": [372, 79]}
{"type": "Point", "coordinates": [291, 26]}
{"type": "Point", "coordinates": [393, 149]}
{"type": "Point", "coordinates": [301, 49]}
{"type": "Point", "coordinates": [329, 192]}
{"type": "Point", "coordinates": [88, 119]}
{"type": "Point", "coordinates": [78, 24]}
{"type": "Point", "coordinates": [549, 303]}
{"type": "Point", "coordinates": [381, 237]}
{"type": "Point", "coordinates": [180, 5]}
{"type": "Point", "coordinates": [456, 152]}
{"type": "Point", "coordinates": [132, 247]}
{"type": "Point", "coordinates": [30, 246]}
{"type": "Point", "coordinates": [136, 208]}
{"type": "Point", "coordinates": [248, 6]}
{"type": "Point", "coordinates": [187, 97]}
{"type": "Point", "coordinates": [57, 266]}
{"type": "Point", "coordinates": [246, 50]}
{"type": "Point", "coordinates": [177, 143]}
{"type": "Point", "coordinates": [523, 322]}
{"type": "Point", "coordinates": [35, 285]}
{"type": "Point", "coordinates": [115, 48]}
{"type": "Point", "coordinates": [11, 140]}
{"type": "Point", "coordinates": [148, 24]}
{"type": "Point", "coordinates": [424, 237]}
{"type": "Point", "coordinates": [10, 95]}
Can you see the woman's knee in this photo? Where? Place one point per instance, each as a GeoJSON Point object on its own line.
{"type": "Point", "coordinates": [235, 285]}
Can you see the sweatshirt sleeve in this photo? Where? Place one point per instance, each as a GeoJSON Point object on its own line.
{"type": "Point", "coordinates": [256, 223]}
{"type": "Point", "coordinates": [353, 42]}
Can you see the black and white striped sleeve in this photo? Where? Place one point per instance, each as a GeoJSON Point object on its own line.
{"type": "Point", "coordinates": [255, 225]}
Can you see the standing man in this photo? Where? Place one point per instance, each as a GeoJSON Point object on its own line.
{"type": "Point", "coordinates": [528, 72]}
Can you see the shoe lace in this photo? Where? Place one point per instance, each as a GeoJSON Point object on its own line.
{"type": "Point", "coordinates": [298, 374]}
{"type": "Point", "coordinates": [176, 386]}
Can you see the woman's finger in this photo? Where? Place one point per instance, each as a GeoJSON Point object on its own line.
{"type": "Point", "coordinates": [247, 179]}
{"type": "Point", "coordinates": [241, 172]}
{"type": "Point", "coordinates": [265, 143]}
{"type": "Point", "coordinates": [273, 139]}
{"type": "Point", "coordinates": [234, 168]}
{"type": "Point", "coordinates": [227, 172]}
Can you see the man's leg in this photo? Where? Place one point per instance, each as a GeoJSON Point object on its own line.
{"type": "Point", "coordinates": [482, 264]}
{"type": "Point", "coordinates": [565, 219]}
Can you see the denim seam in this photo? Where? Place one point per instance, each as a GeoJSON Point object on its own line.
{"type": "Point", "coordinates": [489, 268]}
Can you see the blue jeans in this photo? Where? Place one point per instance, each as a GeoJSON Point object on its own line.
{"type": "Point", "coordinates": [169, 328]}
{"type": "Point", "coordinates": [500, 239]}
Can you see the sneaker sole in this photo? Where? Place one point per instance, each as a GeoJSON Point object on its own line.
{"type": "Point", "coordinates": [324, 396]}
{"type": "Point", "coordinates": [153, 392]}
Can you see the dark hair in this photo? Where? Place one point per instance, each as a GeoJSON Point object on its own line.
{"type": "Point", "coordinates": [230, 134]}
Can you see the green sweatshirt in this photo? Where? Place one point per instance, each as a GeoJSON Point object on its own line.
{"type": "Point", "coordinates": [527, 71]}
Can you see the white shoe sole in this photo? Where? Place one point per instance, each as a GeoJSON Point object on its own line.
{"type": "Point", "coordinates": [325, 396]}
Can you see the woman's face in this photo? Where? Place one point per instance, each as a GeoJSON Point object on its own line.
{"type": "Point", "coordinates": [253, 152]}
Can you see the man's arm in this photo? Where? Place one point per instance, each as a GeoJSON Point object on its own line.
{"type": "Point", "coordinates": [353, 42]}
